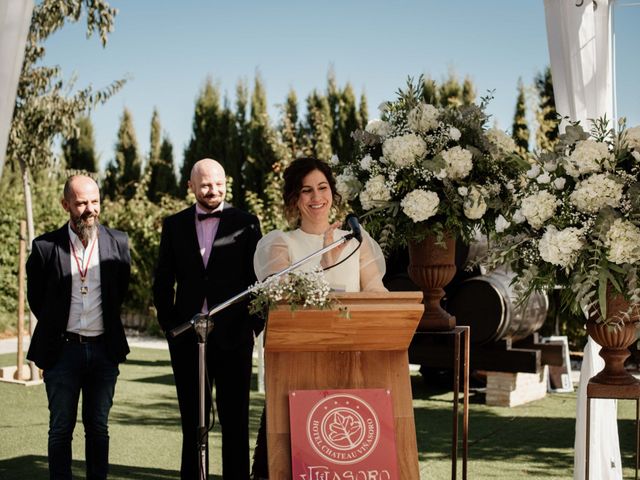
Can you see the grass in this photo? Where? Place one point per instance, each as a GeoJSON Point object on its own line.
{"type": "Point", "coordinates": [534, 440]}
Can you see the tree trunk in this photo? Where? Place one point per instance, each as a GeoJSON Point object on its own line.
{"type": "Point", "coordinates": [28, 206]}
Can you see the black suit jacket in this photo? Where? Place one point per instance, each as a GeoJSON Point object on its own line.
{"type": "Point", "coordinates": [182, 281]}
{"type": "Point", "coordinates": [49, 292]}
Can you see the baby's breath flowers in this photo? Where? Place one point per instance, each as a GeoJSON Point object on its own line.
{"type": "Point", "coordinates": [298, 289]}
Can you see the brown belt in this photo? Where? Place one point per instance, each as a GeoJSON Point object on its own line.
{"type": "Point", "coordinates": [77, 338]}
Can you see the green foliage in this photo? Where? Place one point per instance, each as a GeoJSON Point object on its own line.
{"type": "Point", "coordinates": [162, 176]}
{"type": "Point", "coordinates": [520, 128]}
{"type": "Point", "coordinates": [141, 218]}
{"type": "Point", "coordinates": [79, 150]}
{"type": "Point", "coordinates": [548, 121]}
{"type": "Point", "coordinates": [123, 173]}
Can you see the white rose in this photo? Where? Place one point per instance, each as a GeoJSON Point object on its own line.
{"type": "Point", "coordinates": [454, 134]}
{"type": "Point", "coordinates": [474, 205]}
{"type": "Point", "coordinates": [334, 160]}
{"type": "Point", "coordinates": [635, 154]}
{"type": "Point", "coordinates": [458, 162]}
{"type": "Point", "coordinates": [365, 163]}
{"type": "Point", "coordinates": [550, 166]}
{"type": "Point", "coordinates": [543, 178]}
{"type": "Point", "coordinates": [633, 138]}
{"type": "Point", "coordinates": [420, 205]}
{"type": "Point", "coordinates": [502, 224]}
{"type": "Point", "coordinates": [348, 186]}
{"type": "Point", "coordinates": [518, 217]}
{"type": "Point", "coordinates": [559, 182]}
{"type": "Point", "coordinates": [534, 171]}
{"type": "Point", "coordinates": [462, 191]}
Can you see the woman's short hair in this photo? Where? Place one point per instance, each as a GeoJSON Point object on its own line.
{"type": "Point", "coordinates": [294, 175]}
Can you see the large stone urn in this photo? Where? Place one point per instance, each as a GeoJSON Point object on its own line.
{"type": "Point", "coordinates": [615, 340]}
{"type": "Point", "coordinates": [431, 267]}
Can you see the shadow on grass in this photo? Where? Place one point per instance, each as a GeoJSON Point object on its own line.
{"type": "Point", "coordinates": [34, 467]}
{"type": "Point", "coordinates": [157, 379]}
{"type": "Point", "coordinates": [148, 363]}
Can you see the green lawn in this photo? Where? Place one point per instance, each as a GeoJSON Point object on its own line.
{"type": "Point", "coordinates": [535, 440]}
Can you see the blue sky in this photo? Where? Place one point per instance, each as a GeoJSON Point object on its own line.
{"type": "Point", "coordinates": [168, 49]}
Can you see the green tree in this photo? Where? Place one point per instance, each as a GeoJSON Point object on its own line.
{"type": "Point", "coordinates": [206, 119]}
{"type": "Point", "coordinates": [520, 128]}
{"type": "Point", "coordinates": [289, 130]}
{"type": "Point", "coordinates": [363, 111]}
{"type": "Point", "coordinates": [468, 92]}
{"type": "Point", "coordinates": [346, 122]}
{"type": "Point", "coordinates": [319, 127]}
{"type": "Point", "coordinates": [546, 115]}
{"type": "Point", "coordinates": [162, 175]}
{"type": "Point", "coordinates": [79, 150]}
{"type": "Point", "coordinates": [429, 91]}
{"type": "Point", "coordinates": [124, 172]}
{"type": "Point", "coordinates": [155, 136]}
{"type": "Point", "coordinates": [450, 92]}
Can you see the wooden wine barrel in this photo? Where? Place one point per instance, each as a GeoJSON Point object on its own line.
{"type": "Point", "coordinates": [487, 304]}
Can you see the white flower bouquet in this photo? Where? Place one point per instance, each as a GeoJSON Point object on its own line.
{"type": "Point", "coordinates": [298, 289]}
{"type": "Point", "coordinates": [575, 222]}
{"type": "Point", "coordinates": [429, 170]}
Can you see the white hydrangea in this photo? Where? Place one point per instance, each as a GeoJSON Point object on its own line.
{"type": "Point", "coordinates": [543, 178]}
{"type": "Point", "coordinates": [589, 156]}
{"type": "Point", "coordinates": [420, 205]}
{"type": "Point", "coordinates": [534, 171]}
{"type": "Point", "coordinates": [365, 163]}
{"type": "Point", "coordinates": [458, 162]}
{"type": "Point", "coordinates": [633, 137]}
{"type": "Point", "coordinates": [623, 242]}
{"type": "Point", "coordinates": [474, 205]}
{"type": "Point", "coordinates": [404, 150]}
{"type": "Point", "coordinates": [595, 192]}
{"type": "Point", "coordinates": [348, 186]}
{"type": "Point", "coordinates": [538, 208]}
{"type": "Point", "coordinates": [454, 134]}
{"type": "Point", "coordinates": [375, 192]}
{"type": "Point", "coordinates": [423, 118]}
{"type": "Point", "coordinates": [378, 127]}
{"type": "Point", "coordinates": [560, 247]}
{"type": "Point", "coordinates": [502, 224]}
{"type": "Point", "coordinates": [501, 140]}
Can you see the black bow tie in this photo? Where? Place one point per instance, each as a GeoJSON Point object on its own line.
{"type": "Point", "coordinates": [204, 216]}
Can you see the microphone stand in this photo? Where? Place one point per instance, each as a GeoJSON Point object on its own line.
{"type": "Point", "coordinates": [202, 326]}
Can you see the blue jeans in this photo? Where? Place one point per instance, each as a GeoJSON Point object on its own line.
{"type": "Point", "coordinates": [82, 368]}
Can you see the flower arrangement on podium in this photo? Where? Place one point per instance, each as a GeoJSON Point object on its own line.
{"type": "Point", "coordinates": [575, 225]}
{"type": "Point", "coordinates": [297, 289]}
{"type": "Point", "coordinates": [426, 175]}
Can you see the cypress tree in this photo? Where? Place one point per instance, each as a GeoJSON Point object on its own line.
{"type": "Point", "coordinates": [348, 122]}
{"type": "Point", "coordinates": [155, 136]}
{"type": "Point", "coordinates": [520, 128]}
{"type": "Point", "coordinates": [318, 126]}
{"type": "Point", "coordinates": [206, 120]}
{"type": "Point", "coordinates": [429, 91]}
{"type": "Point", "coordinates": [79, 151]}
{"type": "Point", "coordinates": [468, 92]}
{"type": "Point", "coordinates": [450, 92]}
{"type": "Point", "coordinates": [123, 173]}
{"type": "Point", "coordinates": [547, 133]}
{"type": "Point", "coordinates": [363, 111]}
{"type": "Point", "coordinates": [289, 127]}
{"type": "Point", "coordinates": [162, 175]}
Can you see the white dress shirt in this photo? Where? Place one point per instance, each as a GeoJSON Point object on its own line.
{"type": "Point", "coordinates": [85, 312]}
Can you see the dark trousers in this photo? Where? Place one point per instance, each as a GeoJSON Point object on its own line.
{"type": "Point", "coordinates": [230, 371]}
{"type": "Point", "coordinates": [82, 368]}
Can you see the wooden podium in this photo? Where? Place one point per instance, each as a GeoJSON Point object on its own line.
{"type": "Point", "coordinates": [321, 349]}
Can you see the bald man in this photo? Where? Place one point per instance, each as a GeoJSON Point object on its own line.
{"type": "Point", "coordinates": [77, 278]}
{"type": "Point", "coordinates": [206, 257]}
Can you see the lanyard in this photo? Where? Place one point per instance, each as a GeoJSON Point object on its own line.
{"type": "Point", "coordinates": [83, 273]}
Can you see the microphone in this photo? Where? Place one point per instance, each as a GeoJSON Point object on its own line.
{"type": "Point", "coordinates": [354, 225]}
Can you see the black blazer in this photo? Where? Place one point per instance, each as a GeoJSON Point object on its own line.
{"type": "Point", "coordinates": [182, 282]}
{"type": "Point", "coordinates": [49, 292]}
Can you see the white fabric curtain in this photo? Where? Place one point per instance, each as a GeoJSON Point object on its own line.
{"type": "Point", "coordinates": [581, 52]}
{"type": "Point", "coordinates": [15, 19]}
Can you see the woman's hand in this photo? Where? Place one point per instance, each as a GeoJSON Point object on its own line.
{"type": "Point", "coordinates": [331, 257]}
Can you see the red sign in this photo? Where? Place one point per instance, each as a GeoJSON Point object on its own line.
{"type": "Point", "coordinates": [342, 435]}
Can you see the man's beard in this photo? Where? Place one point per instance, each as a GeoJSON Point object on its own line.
{"type": "Point", "coordinates": [203, 202]}
{"type": "Point", "coordinates": [83, 229]}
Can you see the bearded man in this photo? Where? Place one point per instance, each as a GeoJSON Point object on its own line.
{"type": "Point", "coordinates": [77, 278]}
{"type": "Point", "coordinates": [205, 258]}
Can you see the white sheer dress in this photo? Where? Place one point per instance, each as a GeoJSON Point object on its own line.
{"type": "Point", "coordinates": [362, 272]}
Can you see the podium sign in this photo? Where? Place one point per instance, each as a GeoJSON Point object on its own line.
{"type": "Point", "coordinates": [342, 434]}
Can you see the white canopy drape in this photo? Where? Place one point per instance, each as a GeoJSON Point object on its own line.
{"type": "Point", "coordinates": [581, 52]}
{"type": "Point", "coordinates": [15, 19]}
